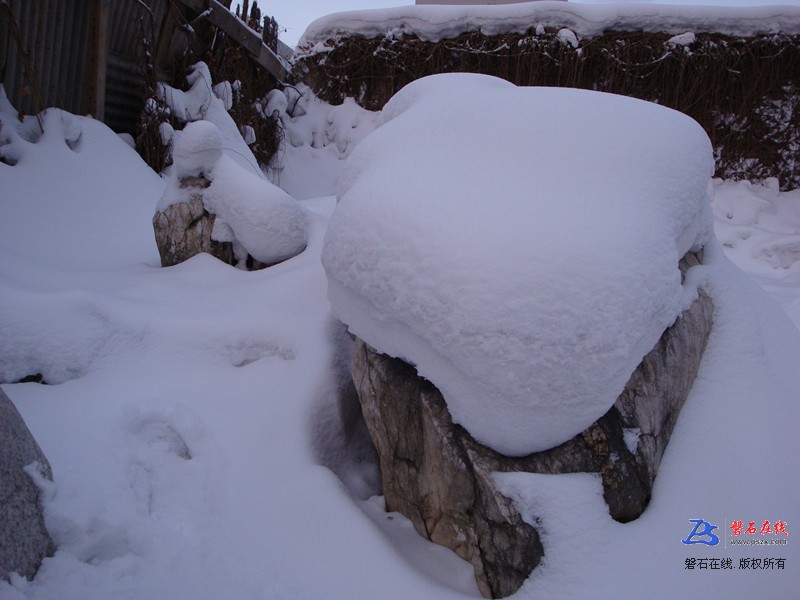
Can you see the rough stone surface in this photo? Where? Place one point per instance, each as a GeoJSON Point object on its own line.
{"type": "Point", "coordinates": [184, 230]}
{"type": "Point", "coordinates": [24, 541]}
{"type": "Point", "coordinates": [436, 474]}
{"type": "Point", "coordinates": [430, 476]}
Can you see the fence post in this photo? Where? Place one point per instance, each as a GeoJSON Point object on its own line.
{"type": "Point", "coordinates": [97, 58]}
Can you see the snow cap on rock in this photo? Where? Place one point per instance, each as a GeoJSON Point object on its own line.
{"type": "Point", "coordinates": [519, 246]}
{"type": "Point", "coordinates": [197, 150]}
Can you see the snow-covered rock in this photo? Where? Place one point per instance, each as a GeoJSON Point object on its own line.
{"type": "Point", "coordinates": [519, 246]}
{"type": "Point", "coordinates": [435, 473]}
{"type": "Point", "coordinates": [185, 229]}
{"type": "Point", "coordinates": [212, 204]}
{"type": "Point", "coordinates": [24, 541]}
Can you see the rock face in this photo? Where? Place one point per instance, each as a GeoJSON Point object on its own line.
{"type": "Point", "coordinates": [436, 474]}
{"type": "Point", "coordinates": [430, 474]}
{"type": "Point", "coordinates": [184, 229]}
{"type": "Point", "coordinates": [24, 541]}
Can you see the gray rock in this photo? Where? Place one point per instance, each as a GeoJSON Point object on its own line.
{"type": "Point", "coordinates": [429, 474]}
{"type": "Point", "coordinates": [437, 475]}
{"type": "Point", "coordinates": [184, 229]}
{"type": "Point", "coordinates": [24, 541]}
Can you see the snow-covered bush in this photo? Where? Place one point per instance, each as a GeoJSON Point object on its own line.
{"type": "Point", "coordinates": [208, 102]}
{"type": "Point", "coordinates": [519, 246]}
{"type": "Point", "coordinates": [315, 133]}
{"type": "Point", "coordinates": [308, 121]}
{"type": "Point", "coordinates": [251, 137]}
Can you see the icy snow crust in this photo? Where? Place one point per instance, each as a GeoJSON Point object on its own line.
{"type": "Point", "coordinates": [434, 23]}
{"type": "Point", "coordinates": [527, 297]}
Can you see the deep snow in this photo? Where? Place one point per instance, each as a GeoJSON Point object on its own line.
{"type": "Point", "coordinates": [194, 406]}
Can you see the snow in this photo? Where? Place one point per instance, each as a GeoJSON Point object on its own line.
{"type": "Point", "coordinates": [48, 216]}
{"type": "Point", "coordinates": [568, 37]}
{"type": "Point", "coordinates": [250, 211]}
{"type": "Point", "coordinates": [265, 220]}
{"type": "Point", "coordinates": [241, 372]}
{"type": "Point", "coordinates": [474, 279]}
{"type": "Point", "coordinates": [759, 228]}
{"type": "Point", "coordinates": [224, 91]}
{"type": "Point", "coordinates": [197, 150]}
{"type": "Point", "coordinates": [434, 23]}
{"type": "Point", "coordinates": [631, 438]}
{"type": "Point", "coordinates": [683, 39]}
{"type": "Point", "coordinates": [315, 133]}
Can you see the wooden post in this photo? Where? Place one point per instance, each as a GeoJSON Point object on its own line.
{"type": "Point", "coordinates": [5, 38]}
{"type": "Point", "coordinates": [242, 35]}
{"type": "Point", "coordinates": [97, 58]}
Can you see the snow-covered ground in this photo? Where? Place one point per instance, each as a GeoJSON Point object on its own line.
{"type": "Point", "coordinates": [759, 228]}
{"type": "Point", "coordinates": [193, 421]}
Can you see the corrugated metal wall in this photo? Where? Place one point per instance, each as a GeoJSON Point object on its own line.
{"type": "Point", "coordinates": [44, 58]}
{"type": "Point", "coordinates": [43, 55]}
{"type": "Point", "coordinates": [128, 21]}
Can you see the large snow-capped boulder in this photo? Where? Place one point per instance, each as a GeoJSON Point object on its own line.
{"type": "Point", "coordinates": [550, 324]}
{"type": "Point", "coordinates": [24, 541]}
{"type": "Point", "coordinates": [211, 204]}
{"type": "Point", "coordinates": [436, 474]}
{"type": "Point", "coordinates": [528, 303]}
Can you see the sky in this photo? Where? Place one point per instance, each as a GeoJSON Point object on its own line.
{"type": "Point", "coordinates": [295, 16]}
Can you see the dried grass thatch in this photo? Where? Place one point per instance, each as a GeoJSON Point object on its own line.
{"type": "Point", "coordinates": [744, 91]}
{"type": "Point", "coordinates": [227, 61]}
{"type": "Point", "coordinates": [230, 62]}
